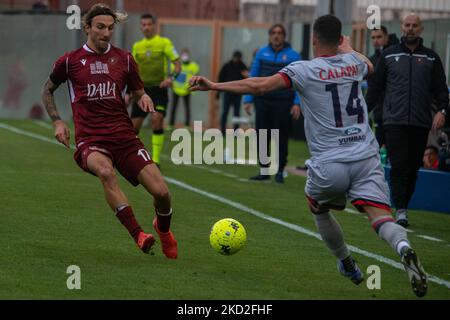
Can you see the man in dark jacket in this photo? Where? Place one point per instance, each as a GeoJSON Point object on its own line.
{"type": "Point", "coordinates": [411, 76]}
{"type": "Point", "coordinates": [381, 40]}
{"type": "Point", "coordinates": [234, 69]}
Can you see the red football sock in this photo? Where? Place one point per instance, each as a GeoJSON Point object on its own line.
{"type": "Point", "coordinates": [126, 217]}
{"type": "Point", "coordinates": [164, 221]}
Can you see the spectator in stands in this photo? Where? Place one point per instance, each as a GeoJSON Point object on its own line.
{"type": "Point", "coordinates": [235, 69]}
{"type": "Point", "coordinates": [431, 158]}
{"type": "Point", "coordinates": [410, 75]}
{"type": "Point", "coordinates": [40, 5]}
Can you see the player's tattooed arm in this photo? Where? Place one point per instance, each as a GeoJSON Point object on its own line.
{"type": "Point", "coordinates": [49, 101]}
{"type": "Point", "coordinates": [62, 132]}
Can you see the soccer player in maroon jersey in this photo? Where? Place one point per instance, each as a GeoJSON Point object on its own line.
{"type": "Point", "coordinates": [98, 75]}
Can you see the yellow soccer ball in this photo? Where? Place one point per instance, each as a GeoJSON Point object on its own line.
{"type": "Point", "coordinates": [227, 236]}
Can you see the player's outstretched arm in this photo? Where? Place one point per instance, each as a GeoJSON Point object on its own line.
{"type": "Point", "coordinates": [254, 85]}
{"type": "Point", "coordinates": [62, 132]}
{"type": "Point", "coordinates": [143, 100]}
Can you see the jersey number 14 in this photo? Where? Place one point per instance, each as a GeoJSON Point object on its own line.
{"type": "Point", "coordinates": [353, 108]}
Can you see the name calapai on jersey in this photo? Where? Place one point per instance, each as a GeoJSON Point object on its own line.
{"type": "Point", "coordinates": [336, 117]}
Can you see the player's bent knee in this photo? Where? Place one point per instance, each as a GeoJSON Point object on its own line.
{"type": "Point", "coordinates": [106, 174]}
{"type": "Point", "coordinates": [318, 209]}
{"type": "Point", "coordinates": [162, 194]}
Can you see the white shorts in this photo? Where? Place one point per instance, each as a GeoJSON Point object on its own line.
{"type": "Point", "coordinates": [362, 182]}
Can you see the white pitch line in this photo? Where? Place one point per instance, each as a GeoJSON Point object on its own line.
{"type": "Point", "coordinates": [44, 173]}
{"type": "Point", "coordinates": [353, 211]}
{"type": "Point", "coordinates": [230, 175]}
{"type": "Point", "coordinates": [212, 170]}
{"type": "Point", "coordinates": [429, 238]}
{"type": "Point", "coordinates": [217, 171]}
{"type": "Point", "coordinates": [32, 135]}
{"type": "Point", "coordinates": [254, 212]}
{"type": "Point", "coordinates": [43, 124]}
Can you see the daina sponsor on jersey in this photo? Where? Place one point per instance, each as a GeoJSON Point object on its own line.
{"type": "Point", "coordinates": [101, 91]}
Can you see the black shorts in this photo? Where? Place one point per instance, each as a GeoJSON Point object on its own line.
{"type": "Point", "coordinates": [160, 99]}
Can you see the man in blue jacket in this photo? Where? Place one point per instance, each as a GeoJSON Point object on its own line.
{"type": "Point", "coordinates": [276, 109]}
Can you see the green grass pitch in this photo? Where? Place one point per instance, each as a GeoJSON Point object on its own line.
{"type": "Point", "coordinates": [54, 215]}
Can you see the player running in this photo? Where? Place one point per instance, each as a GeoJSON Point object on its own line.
{"type": "Point", "coordinates": [152, 54]}
{"type": "Point", "coordinates": [344, 160]}
{"type": "Point", "coordinates": [98, 75]}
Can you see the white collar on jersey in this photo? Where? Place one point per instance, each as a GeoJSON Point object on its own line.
{"type": "Point", "coordinates": [85, 47]}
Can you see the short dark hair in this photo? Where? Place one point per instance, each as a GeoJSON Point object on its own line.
{"type": "Point", "coordinates": [383, 29]}
{"type": "Point", "coordinates": [278, 25]}
{"type": "Point", "coordinates": [149, 16]}
{"type": "Point", "coordinates": [102, 9]}
{"type": "Point", "coordinates": [237, 54]}
{"type": "Point", "coordinates": [328, 29]}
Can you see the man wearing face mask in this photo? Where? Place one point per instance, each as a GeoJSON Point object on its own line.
{"type": "Point", "coordinates": [411, 76]}
{"type": "Point", "coordinates": [180, 87]}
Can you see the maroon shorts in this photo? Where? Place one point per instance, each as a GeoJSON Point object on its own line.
{"type": "Point", "coordinates": [128, 157]}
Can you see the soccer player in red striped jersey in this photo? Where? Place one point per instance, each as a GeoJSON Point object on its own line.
{"type": "Point", "coordinates": [98, 75]}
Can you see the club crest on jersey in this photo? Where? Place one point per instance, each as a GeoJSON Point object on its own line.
{"type": "Point", "coordinates": [99, 68]}
{"type": "Point", "coordinates": [103, 90]}
{"type": "Point", "coordinates": [113, 60]}
{"type": "Point", "coordinates": [83, 61]}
